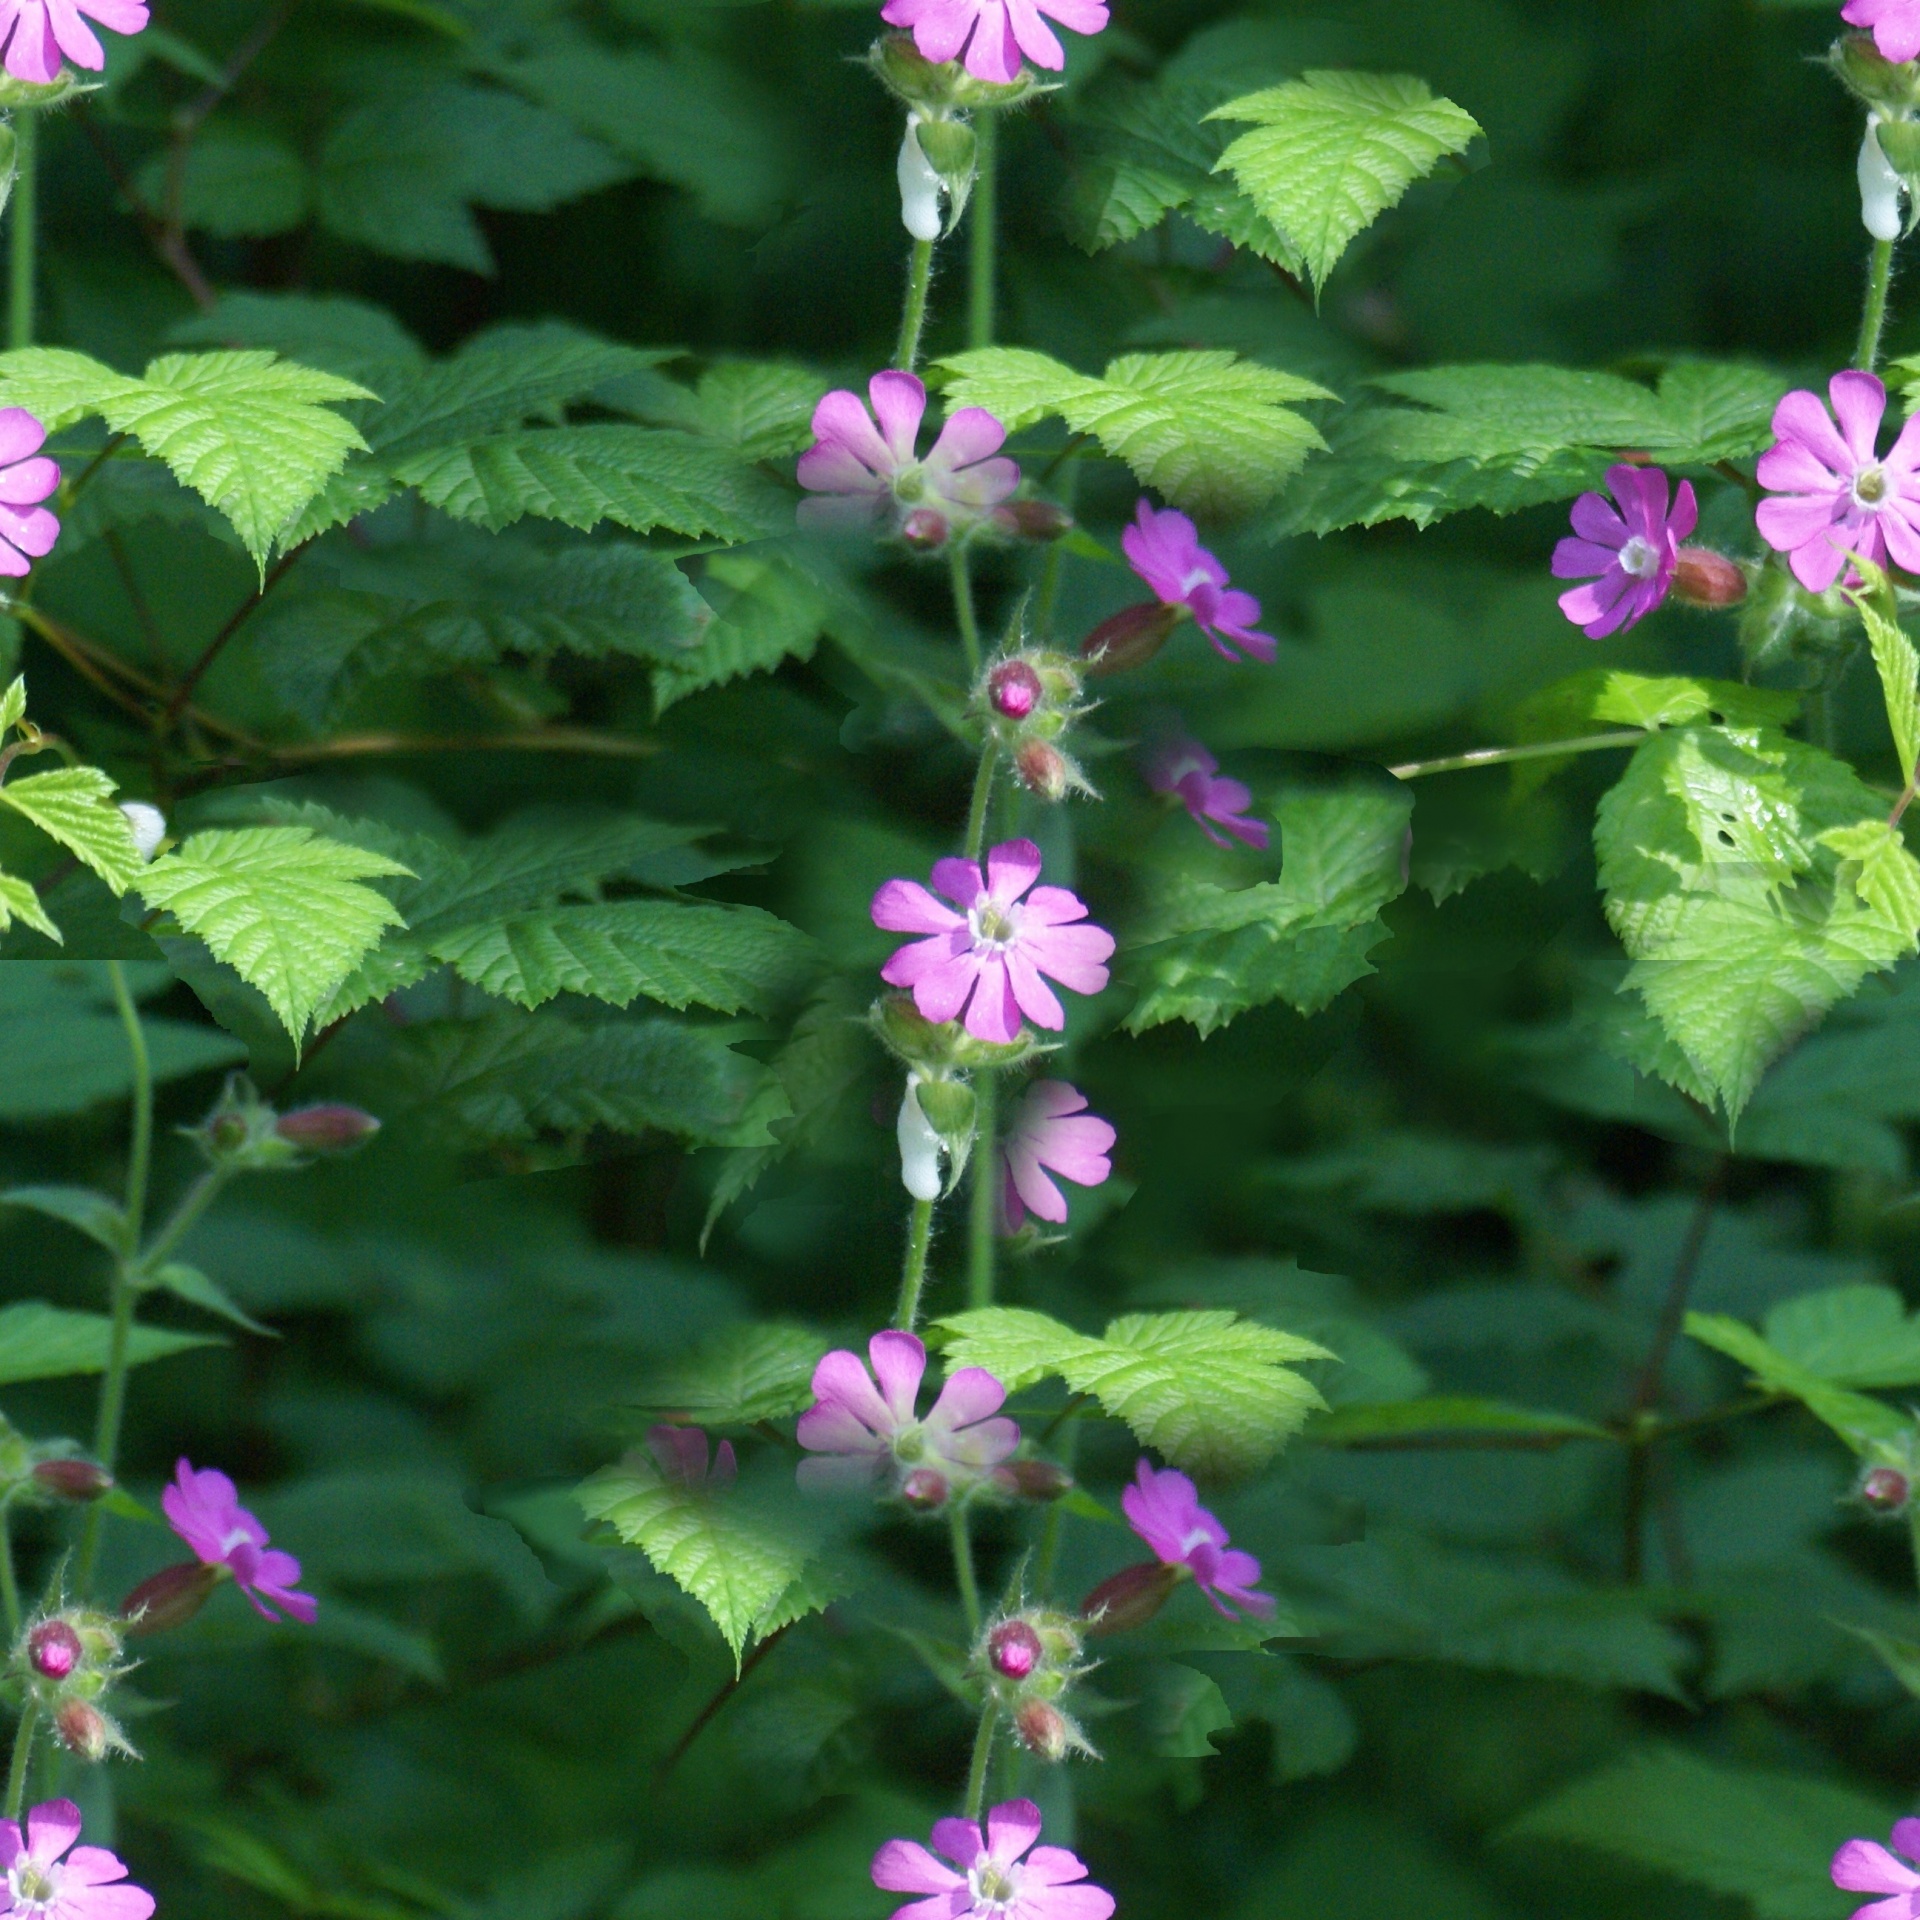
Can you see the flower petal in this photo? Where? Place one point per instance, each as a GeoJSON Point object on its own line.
{"type": "Point", "coordinates": [905, 906]}
{"type": "Point", "coordinates": [1859, 402]}
{"type": "Point", "coordinates": [52, 1827]}
{"type": "Point", "coordinates": [1012, 1827]}
{"type": "Point", "coordinates": [1865, 1866]}
{"type": "Point", "coordinates": [899, 1362]}
{"type": "Point", "coordinates": [960, 1840]}
{"type": "Point", "coordinates": [899, 404]}
{"type": "Point", "coordinates": [971, 435]}
{"type": "Point", "coordinates": [970, 1394]}
{"type": "Point", "coordinates": [905, 1866]}
{"type": "Point", "coordinates": [841, 1381]}
{"type": "Point", "coordinates": [1012, 867]}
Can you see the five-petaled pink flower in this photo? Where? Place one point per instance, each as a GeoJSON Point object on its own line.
{"type": "Point", "coordinates": [1832, 493]}
{"type": "Point", "coordinates": [994, 33]}
{"type": "Point", "coordinates": [1633, 551]}
{"type": "Point", "coordinates": [993, 1876]}
{"type": "Point", "coordinates": [38, 32]}
{"type": "Point", "coordinates": [1164, 1509]}
{"type": "Point", "coordinates": [1051, 1132]}
{"type": "Point", "coordinates": [1186, 770]}
{"type": "Point", "coordinates": [870, 474]}
{"type": "Point", "coordinates": [27, 529]}
{"type": "Point", "coordinates": [204, 1509]}
{"type": "Point", "coordinates": [1894, 24]}
{"type": "Point", "coordinates": [986, 953]}
{"type": "Point", "coordinates": [1865, 1866]}
{"type": "Point", "coordinates": [1164, 549]}
{"type": "Point", "coordinates": [41, 1885]}
{"type": "Point", "coordinates": [871, 1433]}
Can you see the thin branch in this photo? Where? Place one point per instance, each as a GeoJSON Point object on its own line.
{"type": "Point", "coordinates": [704, 1718]}
{"type": "Point", "coordinates": [535, 740]}
{"type": "Point", "coordinates": [172, 248]}
{"type": "Point", "coordinates": [1502, 756]}
{"type": "Point", "coordinates": [183, 693]}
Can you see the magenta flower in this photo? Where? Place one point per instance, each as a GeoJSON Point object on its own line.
{"type": "Point", "coordinates": [874, 1433]}
{"type": "Point", "coordinates": [1865, 1866]}
{"type": "Point", "coordinates": [1164, 1509]}
{"type": "Point", "coordinates": [994, 33]}
{"type": "Point", "coordinates": [1052, 1132]}
{"type": "Point", "coordinates": [1833, 495]}
{"type": "Point", "coordinates": [1165, 551]}
{"type": "Point", "coordinates": [204, 1509]}
{"type": "Point", "coordinates": [38, 32]}
{"type": "Point", "coordinates": [27, 529]}
{"type": "Point", "coordinates": [1895, 25]}
{"type": "Point", "coordinates": [41, 1885]}
{"type": "Point", "coordinates": [1186, 770]}
{"type": "Point", "coordinates": [987, 952]}
{"type": "Point", "coordinates": [874, 473]}
{"type": "Point", "coordinates": [681, 1455]}
{"type": "Point", "coordinates": [1633, 551]}
{"type": "Point", "coordinates": [992, 1877]}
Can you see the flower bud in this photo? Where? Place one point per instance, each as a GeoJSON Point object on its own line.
{"type": "Point", "coordinates": [925, 1489]}
{"type": "Point", "coordinates": [1014, 689]}
{"type": "Point", "coordinates": [1037, 1480]}
{"type": "Point", "coordinates": [1036, 520]}
{"type": "Point", "coordinates": [148, 826]}
{"type": "Point", "coordinates": [1043, 769]}
{"type": "Point", "coordinates": [1042, 1729]}
{"type": "Point", "coordinates": [950, 1107]}
{"type": "Point", "coordinates": [936, 1047]}
{"type": "Point", "coordinates": [328, 1128]}
{"type": "Point", "coordinates": [170, 1598]}
{"type": "Point", "coordinates": [1884, 1489]}
{"type": "Point", "coordinates": [1703, 578]}
{"type": "Point", "coordinates": [938, 84]}
{"type": "Point", "coordinates": [1872, 78]}
{"type": "Point", "coordinates": [53, 1649]}
{"type": "Point", "coordinates": [925, 530]}
{"type": "Point", "coordinates": [70, 1479]}
{"type": "Point", "coordinates": [1130, 1599]}
{"type": "Point", "coordinates": [1014, 1649]}
{"type": "Point", "coordinates": [1130, 639]}
{"type": "Point", "coordinates": [85, 1730]}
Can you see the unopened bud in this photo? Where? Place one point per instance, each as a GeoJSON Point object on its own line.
{"type": "Point", "coordinates": [70, 1479]}
{"type": "Point", "coordinates": [54, 1649]}
{"type": "Point", "coordinates": [329, 1128]}
{"type": "Point", "coordinates": [1872, 78]}
{"type": "Point", "coordinates": [1031, 1480]}
{"type": "Point", "coordinates": [950, 146]}
{"type": "Point", "coordinates": [1014, 689]}
{"type": "Point", "coordinates": [1036, 520]}
{"type": "Point", "coordinates": [1014, 1649]}
{"type": "Point", "coordinates": [1043, 1729]}
{"type": "Point", "coordinates": [1130, 1599]}
{"type": "Point", "coordinates": [148, 826]}
{"type": "Point", "coordinates": [1703, 578]}
{"type": "Point", "coordinates": [925, 1489]}
{"type": "Point", "coordinates": [925, 529]}
{"type": "Point", "coordinates": [169, 1599]}
{"type": "Point", "coordinates": [83, 1729]}
{"type": "Point", "coordinates": [1043, 769]}
{"type": "Point", "coordinates": [1130, 639]}
{"type": "Point", "coordinates": [1884, 1489]}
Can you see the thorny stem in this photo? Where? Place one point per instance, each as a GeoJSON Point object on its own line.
{"type": "Point", "coordinates": [913, 1274]}
{"type": "Point", "coordinates": [913, 316]}
{"type": "Point", "coordinates": [986, 1184]}
{"type": "Point", "coordinates": [985, 238]}
{"type": "Point", "coordinates": [1873, 317]}
{"type": "Point", "coordinates": [24, 241]}
{"type": "Point", "coordinates": [961, 1527]}
{"type": "Point", "coordinates": [9, 1581]}
{"type": "Point", "coordinates": [982, 1757]}
{"type": "Point", "coordinates": [22, 1754]}
{"type": "Point", "coordinates": [961, 567]}
{"type": "Point", "coordinates": [1502, 756]}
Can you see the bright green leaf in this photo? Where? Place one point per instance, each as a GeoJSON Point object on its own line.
{"type": "Point", "coordinates": [39, 1342]}
{"type": "Point", "coordinates": [74, 805]}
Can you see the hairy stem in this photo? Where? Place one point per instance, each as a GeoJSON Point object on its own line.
{"type": "Point", "coordinates": [1502, 756]}
{"type": "Point", "coordinates": [984, 241]}
{"type": "Point", "coordinates": [982, 1240]}
{"type": "Point", "coordinates": [960, 566]}
{"type": "Point", "coordinates": [913, 315]}
{"type": "Point", "coordinates": [982, 801]}
{"type": "Point", "coordinates": [193, 1203]}
{"type": "Point", "coordinates": [913, 1274]}
{"type": "Point", "coordinates": [982, 1758]}
{"type": "Point", "coordinates": [1049, 1554]}
{"type": "Point", "coordinates": [9, 1580]}
{"type": "Point", "coordinates": [22, 1757]}
{"type": "Point", "coordinates": [1873, 315]}
{"type": "Point", "coordinates": [24, 241]}
{"type": "Point", "coordinates": [140, 1152]}
{"type": "Point", "coordinates": [961, 1528]}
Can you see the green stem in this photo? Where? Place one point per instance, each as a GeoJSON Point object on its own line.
{"type": "Point", "coordinates": [22, 1754]}
{"type": "Point", "coordinates": [1913, 1528]}
{"type": "Point", "coordinates": [985, 238]}
{"type": "Point", "coordinates": [1873, 317]}
{"type": "Point", "coordinates": [982, 800]}
{"type": "Point", "coordinates": [140, 1154]}
{"type": "Point", "coordinates": [1503, 756]}
{"type": "Point", "coordinates": [913, 1275]}
{"type": "Point", "coordinates": [982, 1757]}
{"type": "Point", "coordinates": [1049, 1554]}
{"type": "Point", "coordinates": [9, 1581]}
{"type": "Point", "coordinates": [1048, 596]}
{"type": "Point", "coordinates": [193, 1203]}
{"type": "Point", "coordinates": [961, 568]}
{"type": "Point", "coordinates": [982, 1240]}
{"type": "Point", "coordinates": [22, 266]}
{"type": "Point", "coordinates": [913, 316]}
{"type": "Point", "coordinates": [961, 1529]}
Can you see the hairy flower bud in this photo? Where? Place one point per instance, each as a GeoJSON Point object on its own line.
{"type": "Point", "coordinates": [1043, 769]}
{"type": "Point", "coordinates": [1014, 1649]}
{"type": "Point", "coordinates": [924, 1489]}
{"type": "Point", "coordinates": [1014, 689]}
{"type": "Point", "coordinates": [1703, 578]}
{"type": "Point", "coordinates": [1891, 87]}
{"type": "Point", "coordinates": [1042, 1729]}
{"type": "Point", "coordinates": [1037, 520]}
{"type": "Point", "coordinates": [1038, 1480]}
{"type": "Point", "coordinates": [170, 1598]}
{"type": "Point", "coordinates": [83, 1729]}
{"type": "Point", "coordinates": [1884, 1489]}
{"type": "Point", "coordinates": [69, 1479]}
{"type": "Point", "coordinates": [1130, 638]}
{"type": "Point", "coordinates": [331, 1127]}
{"type": "Point", "coordinates": [1129, 1599]}
{"type": "Point", "coordinates": [925, 529]}
{"type": "Point", "coordinates": [53, 1649]}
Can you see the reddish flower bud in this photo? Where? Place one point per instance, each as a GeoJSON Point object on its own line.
{"type": "Point", "coordinates": [1014, 1649]}
{"type": "Point", "coordinates": [329, 1128]}
{"type": "Point", "coordinates": [169, 1599]}
{"type": "Point", "coordinates": [925, 529]}
{"type": "Point", "coordinates": [1031, 1480]}
{"type": "Point", "coordinates": [1043, 1729]}
{"type": "Point", "coordinates": [1038, 520]}
{"type": "Point", "coordinates": [925, 1489]}
{"type": "Point", "coordinates": [1884, 1489]}
{"type": "Point", "coordinates": [1130, 1599]}
{"type": "Point", "coordinates": [71, 1479]}
{"type": "Point", "coordinates": [1130, 639]}
{"type": "Point", "coordinates": [1043, 769]}
{"type": "Point", "coordinates": [1703, 578]}
{"type": "Point", "coordinates": [83, 1729]}
{"type": "Point", "coordinates": [1014, 689]}
{"type": "Point", "coordinates": [54, 1649]}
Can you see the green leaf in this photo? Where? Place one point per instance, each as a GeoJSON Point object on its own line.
{"type": "Point", "coordinates": [197, 1289]}
{"type": "Point", "coordinates": [1896, 662]}
{"type": "Point", "coordinates": [1854, 1336]}
{"type": "Point", "coordinates": [93, 1214]}
{"type": "Point", "coordinates": [13, 704]}
{"type": "Point", "coordinates": [1766, 1838]}
{"type": "Point", "coordinates": [19, 901]}
{"type": "Point", "coordinates": [1210, 1391]}
{"type": "Point", "coordinates": [1183, 1709]}
{"type": "Point", "coordinates": [1330, 152]}
{"type": "Point", "coordinates": [39, 1342]}
{"type": "Point", "coordinates": [746, 1375]}
{"type": "Point", "coordinates": [281, 906]}
{"type": "Point", "coordinates": [1856, 1419]}
{"type": "Point", "coordinates": [1211, 431]}
{"type": "Point", "coordinates": [766, 608]}
{"type": "Point", "coordinates": [1456, 1420]}
{"type": "Point", "coordinates": [75, 807]}
{"type": "Point", "coordinates": [235, 180]}
{"type": "Point", "coordinates": [1900, 1655]}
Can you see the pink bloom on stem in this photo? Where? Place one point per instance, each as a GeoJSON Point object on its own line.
{"type": "Point", "coordinates": [993, 1876]}
{"type": "Point", "coordinates": [1165, 551]}
{"type": "Point", "coordinates": [987, 952]}
{"type": "Point", "coordinates": [1164, 1509]}
{"type": "Point", "coordinates": [41, 1885]}
{"type": "Point", "coordinates": [38, 32]}
{"type": "Point", "coordinates": [1185, 769]}
{"type": "Point", "coordinates": [994, 33]}
{"type": "Point", "coordinates": [870, 1430]}
{"type": "Point", "coordinates": [1865, 1866]}
{"type": "Point", "coordinates": [1895, 25]}
{"type": "Point", "coordinates": [869, 472]}
{"type": "Point", "coordinates": [27, 529]}
{"type": "Point", "coordinates": [1832, 494]}
{"type": "Point", "coordinates": [1633, 551]}
{"type": "Point", "coordinates": [204, 1509]}
{"type": "Point", "coordinates": [1052, 1132]}
{"type": "Point", "coordinates": [681, 1455]}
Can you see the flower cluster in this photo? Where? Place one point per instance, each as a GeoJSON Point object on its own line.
{"type": "Point", "coordinates": [1029, 700]}
{"type": "Point", "coordinates": [1027, 1659]}
{"type": "Point", "coordinates": [66, 1660]}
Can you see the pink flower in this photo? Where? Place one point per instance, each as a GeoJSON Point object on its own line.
{"type": "Point", "coordinates": [1165, 551]}
{"type": "Point", "coordinates": [1051, 1132]}
{"type": "Point", "coordinates": [27, 529]}
{"type": "Point", "coordinates": [205, 1511]}
{"type": "Point", "coordinates": [681, 1455]}
{"type": "Point", "coordinates": [40, 1885]}
{"type": "Point", "coordinates": [1634, 551]}
{"type": "Point", "coordinates": [1185, 768]}
{"type": "Point", "coordinates": [1832, 493]}
{"type": "Point", "coordinates": [873, 1432]}
{"type": "Point", "coordinates": [990, 1879]}
{"type": "Point", "coordinates": [38, 32]}
{"type": "Point", "coordinates": [1865, 1866]}
{"type": "Point", "coordinates": [995, 33]}
{"type": "Point", "coordinates": [875, 473]}
{"type": "Point", "coordinates": [1895, 25]}
{"type": "Point", "coordinates": [987, 952]}
{"type": "Point", "coordinates": [1165, 1511]}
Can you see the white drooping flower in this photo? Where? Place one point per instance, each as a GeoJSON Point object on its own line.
{"type": "Point", "coordinates": [920, 1147]}
{"type": "Point", "coordinates": [920, 187]}
{"type": "Point", "coordinates": [1881, 189]}
{"type": "Point", "coordinates": [149, 826]}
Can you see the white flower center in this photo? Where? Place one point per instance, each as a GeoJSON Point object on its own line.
{"type": "Point", "coordinates": [1197, 577]}
{"type": "Point", "coordinates": [1198, 1537]}
{"type": "Point", "coordinates": [33, 1887]}
{"type": "Point", "coordinates": [992, 926]}
{"type": "Point", "coordinates": [1640, 557]}
{"type": "Point", "coordinates": [994, 1889]}
{"type": "Point", "coordinates": [1870, 488]}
